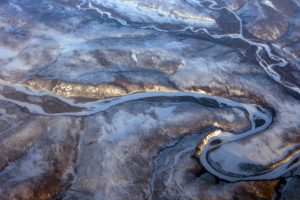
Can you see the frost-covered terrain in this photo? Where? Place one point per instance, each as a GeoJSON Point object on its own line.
{"type": "Point", "coordinates": [149, 99]}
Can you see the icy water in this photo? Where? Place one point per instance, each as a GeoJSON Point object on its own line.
{"type": "Point", "coordinates": [165, 99]}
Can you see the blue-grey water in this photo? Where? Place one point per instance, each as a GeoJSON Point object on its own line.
{"type": "Point", "coordinates": [149, 99]}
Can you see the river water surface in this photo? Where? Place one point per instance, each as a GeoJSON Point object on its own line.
{"type": "Point", "coordinates": [149, 99]}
